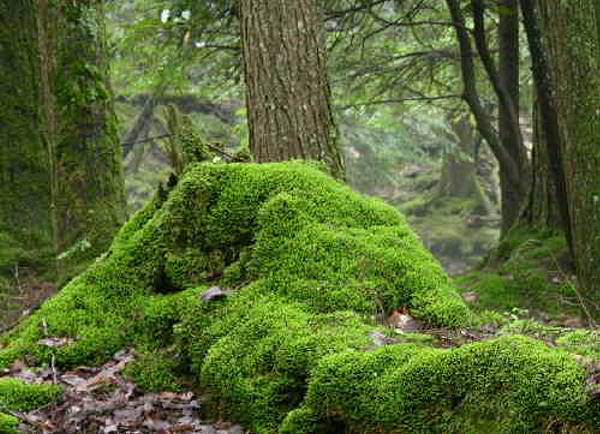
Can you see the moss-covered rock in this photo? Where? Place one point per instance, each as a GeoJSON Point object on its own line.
{"type": "Point", "coordinates": [306, 264]}
{"type": "Point", "coordinates": [512, 384]}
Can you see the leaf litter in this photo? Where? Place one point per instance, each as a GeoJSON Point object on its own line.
{"type": "Point", "coordinates": [100, 400]}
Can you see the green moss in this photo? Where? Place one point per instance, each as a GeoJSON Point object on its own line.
{"type": "Point", "coordinates": [8, 424]}
{"type": "Point", "coordinates": [19, 396]}
{"type": "Point", "coordinates": [510, 384]}
{"type": "Point", "coordinates": [583, 342]}
{"type": "Point", "coordinates": [155, 372]}
{"type": "Point", "coordinates": [311, 262]}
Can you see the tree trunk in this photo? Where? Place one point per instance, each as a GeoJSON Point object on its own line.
{"type": "Point", "coordinates": [514, 173]}
{"type": "Point", "coordinates": [571, 33]}
{"type": "Point", "coordinates": [508, 123]}
{"type": "Point", "coordinates": [542, 211]}
{"type": "Point", "coordinates": [287, 88]}
{"type": "Point", "coordinates": [24, 172]}
{"type": "Point", "coordinates": [60, 154]}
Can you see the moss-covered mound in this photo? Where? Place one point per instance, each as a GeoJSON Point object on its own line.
{"type": "Point", "coordinates": [512, 384]}
{"type": "Point", "coordinates": [306, 265]}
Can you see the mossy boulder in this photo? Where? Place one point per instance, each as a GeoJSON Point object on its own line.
{"type": "Point", "coordinates": [306, 264]}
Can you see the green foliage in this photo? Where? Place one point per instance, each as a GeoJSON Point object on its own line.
{"type": "Point", "coordinates": [511, 384]}
{"type": "Point", "coordinates": [19, 396]}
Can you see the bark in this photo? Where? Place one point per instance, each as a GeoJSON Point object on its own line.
{"type": "Point", "coordinates": [59, 151]}
{"type": "Point", "coordinates": [91, 200]}
{"type": "Point", "coordinates": [542, 211]}
{"type": "Point", "coordinates": [507, 88]}
{"type": "Point", "coordinates": [288, 98]}
{"type": "Point", "coordinates": [24, 172]}
{"type": "Point", "coordinates": [571, 34]}
{"type": "Point", "coordinates": [548, 111]}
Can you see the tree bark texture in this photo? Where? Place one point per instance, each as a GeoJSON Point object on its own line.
{"type": "Point", "coordinates": [62, 128]}
{"type": "Point", "coordinates": [542, 211]}
{"type": "Point", "coordinates": [572, 37]}
{"type": "Point", "coordinates": [288, 97]}
{"type": "Point", "coordinates": [24, 170]}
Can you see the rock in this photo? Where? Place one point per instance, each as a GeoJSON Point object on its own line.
{"type": "Point", "coordinates": [380, 340]}
{"type": "Point", "coordinates": [470, 297]}
{"type": "Point", "coordinates": [212, 294]}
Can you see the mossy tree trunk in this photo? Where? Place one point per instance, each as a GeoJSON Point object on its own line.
{"type": "Point", "coordinates": [287, 88]}
{"type": "Point", "coordinates": [571, 37]}
{"type": "Point", "coordinates": [90, 199]}
{"type": "Point", "coordinates": [24, 175]}
{"type": "Point", "coordinates": [60, 158]}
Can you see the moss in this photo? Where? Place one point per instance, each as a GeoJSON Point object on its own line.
{"type": "Point", "coordinates": [8, 424]}
{"type": "Point", "coordinates": [258, 358]}
{"type": "Point", "coordinates": [583, 342]}
{"type": "Point", "coordinates": [19, 396]}
{"type": "Point", "coordinates": [155, 372]}
{"type": "Point", "coordinates": [511, 384]}
{"type": "Point", "coordinates": [311, 262]}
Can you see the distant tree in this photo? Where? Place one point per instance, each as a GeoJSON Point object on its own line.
{"type": "Point", "coordinates": [288, 97]}
{"type": "Point", "coordinates": [60, 161]}
{"type": "Point", "coordinates": [507, 144]}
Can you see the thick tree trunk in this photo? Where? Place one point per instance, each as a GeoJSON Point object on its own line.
{"type": "Point", "coordinates": [90, 196]}
{"type": "Point", "coordinates": [572, 35]}
{"type": "Point", "coordinates": [287, 88]}
{"type": "Point", "coordinates": [570, 119]}
{"type": "Point", "coordinates": [24, 172]}
{"type": "Point", "coordinates": [60, 158]}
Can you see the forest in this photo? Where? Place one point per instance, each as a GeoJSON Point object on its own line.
{"type": "Point", "coordinates": [299, 216]}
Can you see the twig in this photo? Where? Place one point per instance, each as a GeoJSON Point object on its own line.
{"type": "Point", "coordinates": [53, 365]}
{"type": "Point", "coordinates": [17, 278]}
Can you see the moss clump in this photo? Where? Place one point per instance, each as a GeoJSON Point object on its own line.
{"type": "Point", "coordinates": [8, 424]}
{"type": "Point", "coordinates": [511, 384]}
{"type": "Point", "coordinates": [19, 396]}
{"type": "Point", "coordinates": [583, 342]}
{"type": "Point", "coordinates": [259, 357]}
{"type": "Point", "coordinates": [305, 236]}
